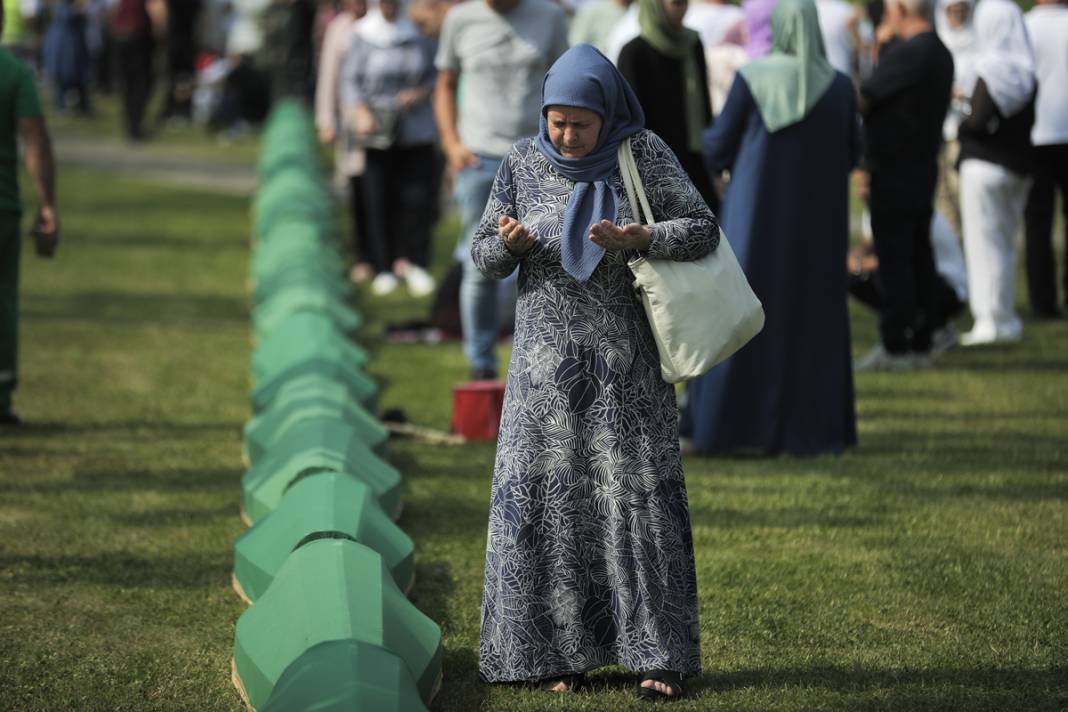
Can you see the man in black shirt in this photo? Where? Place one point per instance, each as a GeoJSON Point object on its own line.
{"type": "Point", "coordinates": [904, 103]}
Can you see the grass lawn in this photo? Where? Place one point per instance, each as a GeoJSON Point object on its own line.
{"type": "Point", "coordinates": [925, 570]}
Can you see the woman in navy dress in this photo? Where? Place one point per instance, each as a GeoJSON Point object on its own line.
{"type": "Point", "coordinates": [66, 54]}
{"type": "Point", "coordinates": [788, 135]}
{"type": "Point", "coordinates": [589, 558]}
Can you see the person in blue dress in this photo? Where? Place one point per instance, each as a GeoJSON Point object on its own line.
{"type": "Point", "coordinates": [66, 53]}
{"type": "Point", "coordinates": [589, 557]}
{"type": "Point", "coordinates": [789, 136]}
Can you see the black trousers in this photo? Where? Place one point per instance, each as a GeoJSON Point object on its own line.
{"type": "Point", "coordinates": [1051, 175]}
{"type": "Point", "coordinates": [901, 228]}
{"type": "Point", "coordinates": [134, 59]}
{"type": "Point", "coordinates": [359, 218]}
{"type": "Point", "coordinates": [181, 72]}
{"type": "Point", "coordinates": [398, 199]}
{"type": "Point", "coordinates": [867, 288]}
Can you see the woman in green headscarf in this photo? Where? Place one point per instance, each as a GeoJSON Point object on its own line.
{"type": "Point", "coordinates": [665, 65]}
{"type": "Point", "coordinates": [789, 136]}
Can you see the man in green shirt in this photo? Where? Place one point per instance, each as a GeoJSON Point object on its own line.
{"type": "Point", "coordinates": [20, 117]}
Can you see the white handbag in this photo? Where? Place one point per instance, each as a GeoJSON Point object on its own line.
{"type": "Point", "coordinates": [702, 311]}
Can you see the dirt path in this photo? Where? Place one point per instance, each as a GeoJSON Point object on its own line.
{"type": "Point", "coordinates": [159, 165]}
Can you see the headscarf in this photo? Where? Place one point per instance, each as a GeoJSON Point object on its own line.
{"type": "Point", "coordinates": [1003, 56]}
{"type": "Point", "coordinates": [758, 26]}
{"type": "Point", "coordinates": [677, 43]}
{"type": "Point", "coordinates": [377, 31]}
{"type": "Point", "coordinates": [960, 41]}
{"type": "Point", "coordinates": [956, 39]}
{"type": "Point", "coordinates": [584, 78]}
{"type": "Point", "coordinates": [788, 82]}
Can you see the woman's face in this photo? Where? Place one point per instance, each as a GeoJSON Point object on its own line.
{"type": "Point", "coordinates": [389, 9]}
{"type": "Point", "coordinates": [676, 10]}
{"type": "Point", "coordinates": [957, 14]}
{"type": "Point", "coordinates": [573, 131]}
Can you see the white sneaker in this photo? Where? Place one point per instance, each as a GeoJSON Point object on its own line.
{"type": "Point", "coordinates": [384, 283]}
{"type": "Point", "coordinates": [944, 339]}
{"type": "Point", "coordinates": [879, 359]}
{"type": "Point", "coordinates": [419, 281]}
{"type": "Point", "coordinates": [981, 337]}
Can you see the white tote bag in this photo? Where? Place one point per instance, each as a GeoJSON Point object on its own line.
{"type": "Point", "coordinates": [702, 311]}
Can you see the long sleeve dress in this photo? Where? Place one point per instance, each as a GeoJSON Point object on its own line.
{"type": "Point", "coordinates": [589, 558]}
{"type": "Point", "coordinates": [786, 214]}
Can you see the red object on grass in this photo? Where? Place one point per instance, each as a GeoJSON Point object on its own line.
{"type": "Point", "coordinates": [476, 409]}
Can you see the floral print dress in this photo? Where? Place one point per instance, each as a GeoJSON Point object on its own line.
{"type": "Point", "coordinates": [589, 558]}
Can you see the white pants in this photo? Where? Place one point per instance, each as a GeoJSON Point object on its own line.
{"type": "Point", "coordinates": [992, 201]}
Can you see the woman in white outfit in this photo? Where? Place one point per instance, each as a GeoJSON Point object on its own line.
{"type": "Point", "coordinates": [953, 22]}
{"type": "Point", "coordinates": [995, 163]}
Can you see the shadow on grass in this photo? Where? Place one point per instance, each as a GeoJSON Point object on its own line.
{"type": "Point", "coordinates": [177, 517]}
{"type": "Point", "coordinates": [120, 569]}
{"type": "Point", "coordinates": [449, 516]}
{"type": "Point", "coordinates": [461, 688]}
{"type": "Point", "coordinates": [896, 689]}
{"type": "Point", "coordinates": [432, 588]}
{"type": "Point", "coordinates": [967, 452]}
{"type": "Point", "coordinates": [136, 308]}
{"type": "Point", "coordinates": [913, 689]}
{"type": "Point", "coordinates": [167, 242]}
{"type": "Point", "coordinates": [103, 481]}
{"type": "Point", "coordinates": [795, 517]}
{"type": "Point", "coordinates": [168, 429]}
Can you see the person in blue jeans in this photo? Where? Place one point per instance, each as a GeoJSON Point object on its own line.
{"type": "Point", "coordinates": [501, 49]}
{"type": "Point", "coordinates": [478, 293]}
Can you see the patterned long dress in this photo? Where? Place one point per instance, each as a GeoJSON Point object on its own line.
{"type": "Point", "coordinates": [589, 558]}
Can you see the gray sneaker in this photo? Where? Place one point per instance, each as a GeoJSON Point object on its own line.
{"type": "Point", "coordinates": [944, 339]}
{"type": "Point", "coordinates": [879, 359]}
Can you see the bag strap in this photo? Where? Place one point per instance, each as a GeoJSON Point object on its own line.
{"type": "Point", "coordinates": [632, 181]}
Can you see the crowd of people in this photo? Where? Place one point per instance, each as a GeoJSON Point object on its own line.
{"type": "Point", "coordinates": [430, 94]}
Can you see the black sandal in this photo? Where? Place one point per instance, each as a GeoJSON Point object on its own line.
{"type": "Point", "coordinates": [571, 681]}
{"type": "Point", "coordinates": [667, 677]}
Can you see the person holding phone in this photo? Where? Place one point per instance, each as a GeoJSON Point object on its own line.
{"type": "Point", "coordinates": [20, 118]}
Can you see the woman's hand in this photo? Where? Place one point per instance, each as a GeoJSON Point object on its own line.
{"type": "Point", "coordinates": [614, 238]}
{"type": "Point", "coordinates": [407, 98]}
{"type": "Point", "coordinates": [363, 120]}
{"type": "Point", "coordinates": [515, 235]}
{"type": "Point", "coordinates": [458, 157]}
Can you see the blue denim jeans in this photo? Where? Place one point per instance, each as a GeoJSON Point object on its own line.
{"type": "Point", "coordinates": [478, 293]}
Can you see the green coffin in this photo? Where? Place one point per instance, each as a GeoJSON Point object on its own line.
{"type": "Point", "coordinates": [302, 337]}
{"type": "Point", "coordinates": [264, 431]}
{"type": "Point", "coordinates": [313, 374]}
{"type": "Point", "coordinates": [326, 505]}
{"type": "Point", "coordinates": [294, 243]}
{"type": "Point", "coordinates": [345, 676]}
{"type": "Point", "coordinates": [291, 196]}
{"type": "Point", "coordinates": [330, 279]}
{"type": "Point", "coordinates": [317, 447]}
{"type": "Point", "coordinates": [332, 589]}
{"type": "Point", "coordinates": [294, 299]}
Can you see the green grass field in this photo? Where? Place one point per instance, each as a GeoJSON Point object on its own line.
{"type": "Point", "coordinates": [925, 570]}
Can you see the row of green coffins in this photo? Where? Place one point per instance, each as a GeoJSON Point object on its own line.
{"type": "Point", "coordinates": [323, 565]}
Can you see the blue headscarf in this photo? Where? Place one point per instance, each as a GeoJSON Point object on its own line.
{"type": "Point", "coordinates": [583, 77]}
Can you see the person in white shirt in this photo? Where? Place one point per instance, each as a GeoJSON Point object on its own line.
{"type": "Point", "coordinates": [838, 24]}
{"type": "Point", "coordinates": [953, 23]}
{"type": "Point", "coordinates": [712, 19]}
{"type": "Point", "coordinates": [1047, 25]}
